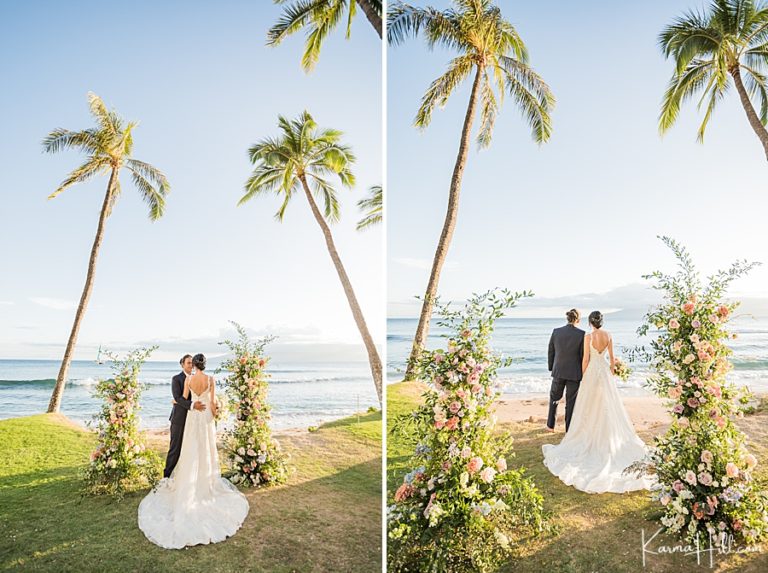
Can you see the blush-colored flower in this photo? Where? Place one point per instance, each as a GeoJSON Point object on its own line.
{"type": "Point", "coordinates": [466, 452]}
{"type": "Point", "coordinates": [675, 392]}
{"type": "Point", "coordinates": [693, 403]}
{"type": "Point", "coordinates": [705, 478]}
{"type": "Point", "coordinates": [474, 465]}
{"type": "Point", "coordinates": [674, 324]}
{"type": "Point", "coordinates": [501, 464]}
{"type": "Point", "coordinates": [731, 470]}
{"type": "Point", "coordinates": [689, 308]}
{"type": "Point", "coordinates": [750, 460]}
{"type": "Point", "coordinates": [452, 423]}
{"type": "Point", "coordinates": [690, 477]}
{"type": "Point", "coordinates": [707, 457]}
{"type": "Point", "coordinates": [488, 474]}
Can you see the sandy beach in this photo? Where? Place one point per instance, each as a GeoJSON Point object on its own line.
{"type": "Point", "coordinates": [646, 412]}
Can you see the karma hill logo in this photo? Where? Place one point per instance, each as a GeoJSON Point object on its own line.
{"type": "Point", "coordinates": [704, 550]}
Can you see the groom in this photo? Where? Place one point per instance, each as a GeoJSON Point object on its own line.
{"type": "Point", "coordinates": [181, 406]}
{"type": "Point", "coordinates": [566, 351]}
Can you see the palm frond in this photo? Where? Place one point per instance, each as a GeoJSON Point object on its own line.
{"type": "Point", "coordinates": [532, 95]}
{"type": "Point", "coordinates": [83, 173]}
{"type": "Point", "coordinates": [441, 89]}
{"type": "Point", "coordinates": [372, 208]}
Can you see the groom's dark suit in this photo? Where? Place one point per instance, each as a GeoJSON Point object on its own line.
{"type": "Point", "coordinates": [566, 350]}
{"type": "Point", "coordinates": [178, 419]}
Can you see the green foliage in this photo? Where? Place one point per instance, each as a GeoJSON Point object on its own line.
{"type": "Point", "coordinates": [710, 47]}
{"type": "Point", "coordinates": [109, 146]}
{"type": "Point", "coordinates": [372, 207]}
{"type": "Point", "coordinates": [319, 18]}
{"type": "Point", "coordinates": [121, 461]}
{"type": "Point", "coordinates": [704, 468]}
{"type": "Point", "coordinates": [255, 458]}
{"type": "Point", "coordinates": [490, 47]}
{"type": "Point", "coordinates": [301, 154]}
{"type": "Point", "coordinates": [461, 508]}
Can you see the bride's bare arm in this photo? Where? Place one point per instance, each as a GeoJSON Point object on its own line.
{"type": "Point", "coordinates": [585, 358]}
{"type": "Point", "coordinates": [610, 353]}
{"type": "Point", "coordinates": [214, 409]}
{"type": "Point", "coordinates": [186, 388]}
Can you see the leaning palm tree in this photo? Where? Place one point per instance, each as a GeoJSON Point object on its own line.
{"type": "Point", "coordinates": [494, 55]}
{"type": "Point", "coordinates": [320, 18]}
{"type": "Point", "coordinates": [108, 147]}
{"type": "Point", "coordinates": [372, 207]}
{"type": "Point", "coordinates": [728, 42]}
{"type": "Point", "coordinates": [300, 160]}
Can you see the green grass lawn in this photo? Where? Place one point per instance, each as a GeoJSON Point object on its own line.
{"type": "Point", "coordinates": [595, 533]}
{"type": "Point", "coordinates": [326, 518]}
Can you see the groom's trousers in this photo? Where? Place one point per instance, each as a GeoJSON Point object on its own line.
{"type": "Point", "coordinates": [174, 450]}
{"type": "Point", "coordinates": [571, 388]}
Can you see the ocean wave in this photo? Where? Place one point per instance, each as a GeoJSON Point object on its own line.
{"type": "Point", "coordinates": [92, 381]}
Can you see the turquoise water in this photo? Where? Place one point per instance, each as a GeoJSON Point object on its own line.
{"type": "Point", "coordinates": [301, 394]}
{"type": "Point", "coordinates": [526, 341]}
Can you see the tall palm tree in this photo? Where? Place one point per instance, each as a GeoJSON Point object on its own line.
{"type": "Point", "coordinates": [300, 160]}
{"type": "Point", "coordinates": [320, 18]}
{"type": "Point", "coordinates": [372, 206]}
{"type": "Point", "coordinates": [108, 147]}
{"type": "Point", "coordinates": [728, 42]}
{"type": "Point", "coordinates": [494, 55]}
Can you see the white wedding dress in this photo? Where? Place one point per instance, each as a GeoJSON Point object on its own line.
{"type": "Point", "coordinates": [195, 505]}
{"type": "Point", "coordinates": [601, 441]}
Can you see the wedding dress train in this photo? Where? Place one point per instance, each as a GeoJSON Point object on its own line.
{"type": "Point", "coordinates": [195, 505]}
{"type": "Point", "coordinates": [601, 441]}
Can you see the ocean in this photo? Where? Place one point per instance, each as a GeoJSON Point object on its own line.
{"type": "Point", "coordinates": [526, 341]}
{"type": "Point", "coordinates": [301, 394]}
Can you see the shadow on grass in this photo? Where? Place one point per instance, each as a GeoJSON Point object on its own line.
{"type": "Point", "coordinates": [327, 518]}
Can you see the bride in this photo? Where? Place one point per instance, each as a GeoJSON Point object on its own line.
{"type": "Point", "coordinates": [195, 505]}
{"type": "Point", "coordinates": [601, 441]}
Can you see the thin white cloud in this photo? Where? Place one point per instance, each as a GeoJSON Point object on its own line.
{"type": "Point", "coordinates": [54, 303]}
{"type": "Point", "coordinates": [6, 303]}
{"type": "Point", "coordinates": [424, 264]}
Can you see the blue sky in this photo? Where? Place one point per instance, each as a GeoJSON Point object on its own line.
{"type": "Point", "coordinates": [204, 86]}
{"type": "Point", "coordinates": [576, 218]}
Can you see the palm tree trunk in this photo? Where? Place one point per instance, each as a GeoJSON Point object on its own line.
{"type": "Point", "coordinates": [61, 379]}
{"type": "Point", "coordinates": [373, 16]}
{"type": "Point", "coordinates": [422, 330]}
{"type": "Point", "coordinates": [357, 313]}
{"type": "Point", "coordinates": [754, 119]}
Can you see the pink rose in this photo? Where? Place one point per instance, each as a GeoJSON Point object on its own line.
{"type": "Point", "coordinates": [689, 308]}
{"type": "Point", "coordinates": [731, 470]}
{"type": "Point", "coordinates": [674, 324]}
{"type": "Point", "coordinates": [452, 423]}
{"type": "Point", "coordinates": [487, 474]}
{"type": "Point", "coordinates": [693, 402]}
{"type": "Point", "coordinates": [678, 409]}
{"type": "Point", "coordinates": [705, 478]}
{"type": "Point", "coordinates": [439, 424]}
{"type": "Point", "coordinates": [723, 311]}
{"type": "Point", "coordinates": [438, 357]}
{"type": "Point", "coordinates": [696, 324]}
{"type": "Point", "coordinates": [678, 486]}
{"type": "Point", "coordinates": [474, 465]}
{"type": "Point", "coordinates": [675, 392]}
{"type": "Point", "coordinates": [750, 460]}
{"type": "Point", "coordinates": [690, 477]}
{"type": "Point", "coordinates": [466, 452]}
{"type": "Point", "coordinates": [501, 464]}
{"type": "Point", "coordinates": [707, 457]}
{"type": "Point", "coordinates": [455, 407]}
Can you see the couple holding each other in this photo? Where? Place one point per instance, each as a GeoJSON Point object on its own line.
{"type": "Point", "coordinates": [192, 504]}
{"type": "Point", "coordinates": [600, 441]}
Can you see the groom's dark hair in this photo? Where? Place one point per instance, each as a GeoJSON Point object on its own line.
{"type": "Point", "coordinates": [572, 315]}
{"type": "Point", "coordinates": [184, 359]}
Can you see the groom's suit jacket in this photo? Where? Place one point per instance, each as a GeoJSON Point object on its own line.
{"type": "Point", "coordinates": [182, 405]}
{"type": "Point", "coordinates": [566, 350]}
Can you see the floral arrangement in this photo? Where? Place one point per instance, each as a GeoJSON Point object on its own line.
{"type": "Point", "coordinates": [254, 456]}
{"type": "Point", "coordinates": [703, 465]}
{"type": "Point", "coordinates": [621, 370]}
{"type": "Point", "coordinates": [461, 508]}
{"type": "Point", "coordinates": [121, 461]}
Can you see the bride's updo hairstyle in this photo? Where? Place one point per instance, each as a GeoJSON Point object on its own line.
{"type": "Point", "coordinates": [572, 316]}
{"type": "Point", "coordinates": [198, 361]}
{"type": "Point", "coordinates": [596, 319]}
